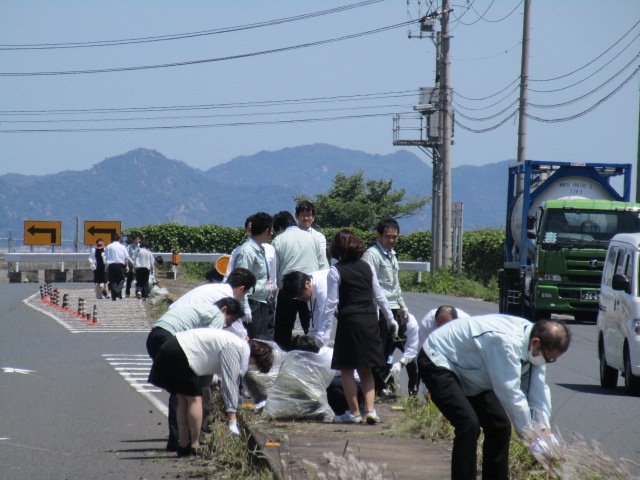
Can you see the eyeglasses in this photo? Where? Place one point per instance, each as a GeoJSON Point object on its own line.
{"type": "Point", "coordinates": [544, 356]}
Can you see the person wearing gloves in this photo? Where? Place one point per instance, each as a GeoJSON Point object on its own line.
{"type": "Point", "coordinates": [191, 354]}
{"type": "Point", "coordinates": [312, 289]}
{"type": "Point", "coordinates": [382, 258]}
{"type": "Point", "coordinates": [436, 318]}
{"type": "Point", "coordinates": [409, 347]}
{"type": "Point", "coordinates": [251, 255]}
{"type": "Point", "coordinates": [223, 315]}
{"type": "Point", "coordinates": [352, 294]}
{"type": "Point", "coordinates": [489, 372]}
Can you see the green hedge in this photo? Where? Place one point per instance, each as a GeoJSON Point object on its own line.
{"type": "Point", "coordinates": [481, 258]}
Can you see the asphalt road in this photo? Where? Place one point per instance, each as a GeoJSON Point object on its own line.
{"type": "Point", "coordinates": [70, 415]}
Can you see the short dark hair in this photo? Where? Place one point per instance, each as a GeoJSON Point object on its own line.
{"type": "Point", "coordinates": [262, 353]}
{"type": "Point", "coordinates": [293, 283]}
{"type": "Point", "coordinates": [282, 220]}
{"type": "Point", "coordinates": [553, 335]}
{"type": "Point", "coordinates": [305, 206]}
{"type": "Point", "coordinates": [304, 343]}
{"type": "Point", "coordinates": [213, 275]}
{"type": "Point", "coordinates": [233, 306]}
{"type": "Point", "coordinates": [159, 260]}
{"type": "Point", "coordinates": [145, 243]}
{"type": "Point", "coordinates": [260, 222]}
{"type": "Point", "coordinates": [115, 237]}
{"type": "Point", "coordinates": [241, 277]}
{"type": "Point", "coordinates": [247, 221]}
{"type": "Point", "coordinates": [346, 245]}
{"type": "Point", "coordinates": [385, 223]}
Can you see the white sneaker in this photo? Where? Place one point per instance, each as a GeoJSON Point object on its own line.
{"type": "Point", "coordinates": [371, 418]}
{"type": "Point", "coordinates": [347, 417]}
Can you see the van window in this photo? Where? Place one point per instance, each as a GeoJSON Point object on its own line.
{"type": "Point", "coordinates": [609, 265]}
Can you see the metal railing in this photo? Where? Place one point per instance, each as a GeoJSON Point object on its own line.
{"type": "Point", "coordinates": [61, 258]}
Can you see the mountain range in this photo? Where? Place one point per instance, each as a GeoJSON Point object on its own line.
{"type": "Point", "coordinates": [143, 187]}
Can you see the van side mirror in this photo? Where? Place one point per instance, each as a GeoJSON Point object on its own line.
{"type": "Point", "coordinates": [620, 282]}
{"type": "Point", "coordinates": [531, 222]}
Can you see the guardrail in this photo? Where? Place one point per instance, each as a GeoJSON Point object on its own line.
{"type": "Point", "coordinates": [61, 258]}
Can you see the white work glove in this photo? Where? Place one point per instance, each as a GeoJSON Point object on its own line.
{"type": "Point", "coordinates": [393, 328]}
{"type": "Point", "coordinates": [270, 286]}
{"type": "Point", "coordinates": [233, 427]}
{"type": "Point", "coordinates": [403, 313]}
{"type": "Point", "coordinates": [247, 319]}
{"type": "Point", "coordinates": [395, 368]}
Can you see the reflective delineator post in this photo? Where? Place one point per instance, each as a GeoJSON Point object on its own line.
{"type": "Point", "coordinates": [95, 313]}
{"type": "Point", "coordinates": [65, 301]}
{"type": "Point", "coordinates": [81, 307]}
{"type": "Point", "coordinates": [54, 298]}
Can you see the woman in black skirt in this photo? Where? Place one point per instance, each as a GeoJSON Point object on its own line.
{"type": "Point", "coordinates": [99, 267]}
{"type": "Point", "coordinates": [354, 295]}
{"type": "Point", "coordinates": [184, 359]}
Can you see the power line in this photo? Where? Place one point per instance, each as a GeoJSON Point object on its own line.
{"type": "Point", "coordinates": [211, 125]}
{"type": "Point", "coordinates": [209, 60]}
{"type": "Point", "coordinates": [179, 36]}
{"type": "Point", "coordinates": [260, 103]}
{"type": "Point", "coordinates": [589, 63]}
{"type": "Point", "coordinates": [488, 129]}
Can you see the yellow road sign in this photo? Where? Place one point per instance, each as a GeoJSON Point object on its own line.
{"type": "Point", "coordinates": [93, 230]}
{"type": "Point", "coordinates": [42, 233]}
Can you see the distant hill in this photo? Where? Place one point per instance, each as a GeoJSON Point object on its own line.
{"type": "Point", "coordinates": [143, 187]}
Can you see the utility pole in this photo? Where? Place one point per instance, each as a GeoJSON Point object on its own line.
{"type": "Point", "coordinates": [445, 96]}
{"type": "Point", "coordinates": [524, 95]}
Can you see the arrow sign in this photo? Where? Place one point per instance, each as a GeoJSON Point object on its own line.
{"type": "Point", "coordinates": [38, 232]}
{"type": "Point", "coordinates": [48, 231]}
{"type": "Point", "coordinates": [97, 231]}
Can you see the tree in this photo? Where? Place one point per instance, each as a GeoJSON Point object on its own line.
{"type": "Point", "coordinates": [355, 202]}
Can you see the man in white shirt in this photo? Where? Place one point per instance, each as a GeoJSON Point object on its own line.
{"type": "Point", "coordinates": [116, 256]}
{"type": "Point", "coordinates": [312, 289]}
{"type": "Point", "coordinates": [238, 285]}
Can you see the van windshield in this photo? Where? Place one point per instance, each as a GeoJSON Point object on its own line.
{"type": "Point", "coordinates": [573, 227]}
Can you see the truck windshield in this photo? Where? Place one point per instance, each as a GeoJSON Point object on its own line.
{"type": "Point", "coordinates": [586, 227]}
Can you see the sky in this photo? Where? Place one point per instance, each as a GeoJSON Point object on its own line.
{"type": "Point", "coordinates": [235, 99]}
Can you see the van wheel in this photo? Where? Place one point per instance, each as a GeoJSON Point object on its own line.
{"type": "Point", "coordinates": [608, 375]}
{"type": "Point", "coordinates": [631, 382]}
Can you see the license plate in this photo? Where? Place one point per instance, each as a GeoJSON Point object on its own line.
{"type": "Point", "coordinates": [590, 295]}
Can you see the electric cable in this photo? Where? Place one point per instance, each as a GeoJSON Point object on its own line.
{"type": "Point", "coordinates": [179, 36]}
{"type": "Point", "coordinates": [488, 129]}
{"type": "Point", "coordinates": [208, 60]}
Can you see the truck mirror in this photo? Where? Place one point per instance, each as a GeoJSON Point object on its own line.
{"type": "Point", "coordinates": [531, 234]}
{"type": "Point", "coordinates": [531, 222]}
{"type": "Point", "coordinates": [621, 282]}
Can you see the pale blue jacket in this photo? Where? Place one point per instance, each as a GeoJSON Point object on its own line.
{"type": "Point", "coordinates": [489, 352]}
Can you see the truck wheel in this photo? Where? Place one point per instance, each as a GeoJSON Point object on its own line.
{"type": "Point", "coordinates": [608, 375]}
{"type": "Point", "coordinates": [631, 382]}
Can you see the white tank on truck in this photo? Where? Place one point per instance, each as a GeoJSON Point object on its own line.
{"type": "Point", "coordinates": [564, 188]}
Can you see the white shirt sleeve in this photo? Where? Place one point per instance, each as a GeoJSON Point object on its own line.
{"type": "Point", "coordinates": [379, 296]}
{"type": "Point", "coordinates": [411, 345]}
{"type": "Point", "coordinates": [325, 322]}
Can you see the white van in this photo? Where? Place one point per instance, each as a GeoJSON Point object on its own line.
{"type": "Point", "coordinates": [619, 315]}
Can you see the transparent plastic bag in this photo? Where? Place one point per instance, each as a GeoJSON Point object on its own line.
{"type": "Point", "coordinates": [300, 389]}
{"type": "Point", "coordinates": [258, 384]}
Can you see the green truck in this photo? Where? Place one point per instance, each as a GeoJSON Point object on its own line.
{"type": "Point", "coordinates": [558, 231]}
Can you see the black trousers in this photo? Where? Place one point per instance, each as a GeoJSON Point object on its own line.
{"type": "Point", "coordinates": [131, 274]}
{"type": "Point", "coordinates": [380, 373]}
{"type": "Point", "coordinates": [286, 310]}
{"type": "Point", "coordinates": [115, 272]}
{"type": "Point", "coordinates": [468, 415]}
{"type": "Point", "coordinates": [142, 282]}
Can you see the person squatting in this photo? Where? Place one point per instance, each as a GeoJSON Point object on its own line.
{"type": "Point", "coordinates": [486, 372]}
